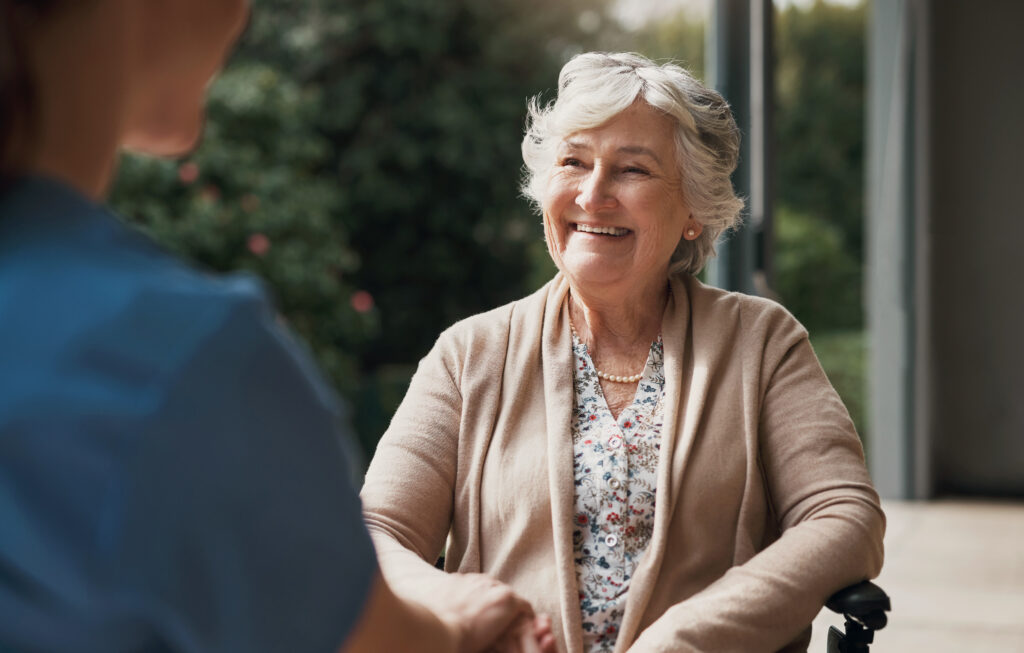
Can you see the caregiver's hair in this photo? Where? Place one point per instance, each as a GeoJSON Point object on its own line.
{"type": "Point", "coordinates": [17, 94]}
{"type": "Point", "coordinates": [595, 87]}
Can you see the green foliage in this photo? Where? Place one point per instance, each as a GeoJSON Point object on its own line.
{"type": "Point", "coordinates": [843, 355]}
{"type": "Point", "coordinates": [820, 115]}
{"type": "Point", "coordinates": [363, 158]}
{"type": "Point", "coordinates": [820, 163]}
{"type": "Point", "coordinates": [817, 277]}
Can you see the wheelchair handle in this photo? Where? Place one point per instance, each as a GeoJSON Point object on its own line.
{"type": "Point", "coordinates": [859, 600]}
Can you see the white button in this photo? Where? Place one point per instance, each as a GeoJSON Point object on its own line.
{"type": "Point", "coordinates": [614, 442]}
{"type": "Point", "coordinates": [615, 484]}
{"type": "Point", "coordinates": [611, 540]}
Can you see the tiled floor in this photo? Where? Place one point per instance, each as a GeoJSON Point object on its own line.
{"type": "Point", "coordinates": [955, 573]}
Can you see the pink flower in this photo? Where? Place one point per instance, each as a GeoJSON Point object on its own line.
{"type": "Point", "coordinates": [361, 301]}
{"type": "Point", "coordinates": [188, 172]}
{"type": "Point", "coordinates": [258, 244]}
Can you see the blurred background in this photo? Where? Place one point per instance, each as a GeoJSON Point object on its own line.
{"type": "Point", "coordinates": [363, 158]}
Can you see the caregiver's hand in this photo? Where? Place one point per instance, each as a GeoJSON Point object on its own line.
{"type": "Point", "coordinates": [486, 613]}
{"type": "Point", "coordinates": [528, 635]}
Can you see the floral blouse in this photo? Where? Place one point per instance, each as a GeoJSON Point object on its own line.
{"type": "Point", "coordinates": [615, 472]}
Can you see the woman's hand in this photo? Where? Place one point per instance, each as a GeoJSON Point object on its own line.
{"type": "Point", "coordinates": [543, 635]}
{"type": "Point", "coordinates": [528, 635]}
{"type": "Point", "coordinates": [487, 615]}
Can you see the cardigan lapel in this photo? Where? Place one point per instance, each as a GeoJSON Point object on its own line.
{"type": "Point", "coordinates": [556, 355]}
{"type": "Point", "coordinates": [691, 370]}
{"type": "Point", "coordinates": [686, 387]}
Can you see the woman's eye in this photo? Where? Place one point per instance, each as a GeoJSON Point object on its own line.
{"type": "Point", "coordinates": [571, 162]}
{"type": "Point", "coordinates": [635, 170]}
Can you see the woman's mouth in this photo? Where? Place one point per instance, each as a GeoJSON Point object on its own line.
{"type": "Point", "coordinates": [605, 231]}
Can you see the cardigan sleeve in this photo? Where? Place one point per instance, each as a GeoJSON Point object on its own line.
{"type": "Point", "coordinates": [409, 488]}
{"type": "Point", "coordinates": [828, 513]}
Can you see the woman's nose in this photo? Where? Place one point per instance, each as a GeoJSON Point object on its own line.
{"type": "Point", "coordinates": [595, 191]}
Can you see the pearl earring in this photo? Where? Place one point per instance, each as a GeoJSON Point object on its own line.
{"type": "Point", "coordinates": [691, 233]}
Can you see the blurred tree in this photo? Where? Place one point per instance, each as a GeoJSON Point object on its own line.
{"type": "Point", "coordinates": [680, 37]}
{"type": "Point", "coordinates": [363, 158]}
{"type": "Point", "coordinates": [818, 276]}
{"type": "Point", "coordinates": [820, 158]}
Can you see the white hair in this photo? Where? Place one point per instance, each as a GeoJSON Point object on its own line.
{"type": "Point", "coordinates": [595, 87]}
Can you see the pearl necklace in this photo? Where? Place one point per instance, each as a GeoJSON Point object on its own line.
{"type": "Point", "coordinates": [614, 378]}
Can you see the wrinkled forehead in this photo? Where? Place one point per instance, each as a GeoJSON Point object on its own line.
{"type": "Point", "coordinates": [639, 130]}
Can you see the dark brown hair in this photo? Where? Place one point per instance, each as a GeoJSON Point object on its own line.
{"type": "Point", "coordinates": [17, 94]}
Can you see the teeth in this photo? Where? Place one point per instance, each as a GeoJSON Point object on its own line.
{"type": "Point", "coordinates": [611, 231]}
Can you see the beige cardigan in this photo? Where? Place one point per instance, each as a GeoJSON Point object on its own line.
{"type": "Point", "coordinates": [764, 505]}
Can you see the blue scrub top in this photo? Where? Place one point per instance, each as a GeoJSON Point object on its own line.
{"type": "Point", "coordinates": [171, 472]}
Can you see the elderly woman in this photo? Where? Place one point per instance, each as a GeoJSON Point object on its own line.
{"type": "Point", "coordinates": [660, 465]}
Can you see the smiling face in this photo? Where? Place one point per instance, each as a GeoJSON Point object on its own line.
{"type": "Point", "coordinates": [613, 206]}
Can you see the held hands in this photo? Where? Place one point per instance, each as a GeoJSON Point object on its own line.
{"type": "Point", "coordinates": [487, 616]}
{"type": "Point", "coordinates": [528, 635]}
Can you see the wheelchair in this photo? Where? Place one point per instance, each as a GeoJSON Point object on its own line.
{"type": "Point", "coordinates": [863, 606]}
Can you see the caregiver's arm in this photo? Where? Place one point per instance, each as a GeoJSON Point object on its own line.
{"type": "Point", "coordinates": [822, 497]}
{"type": "Point", "coordinates": [390, 624]}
